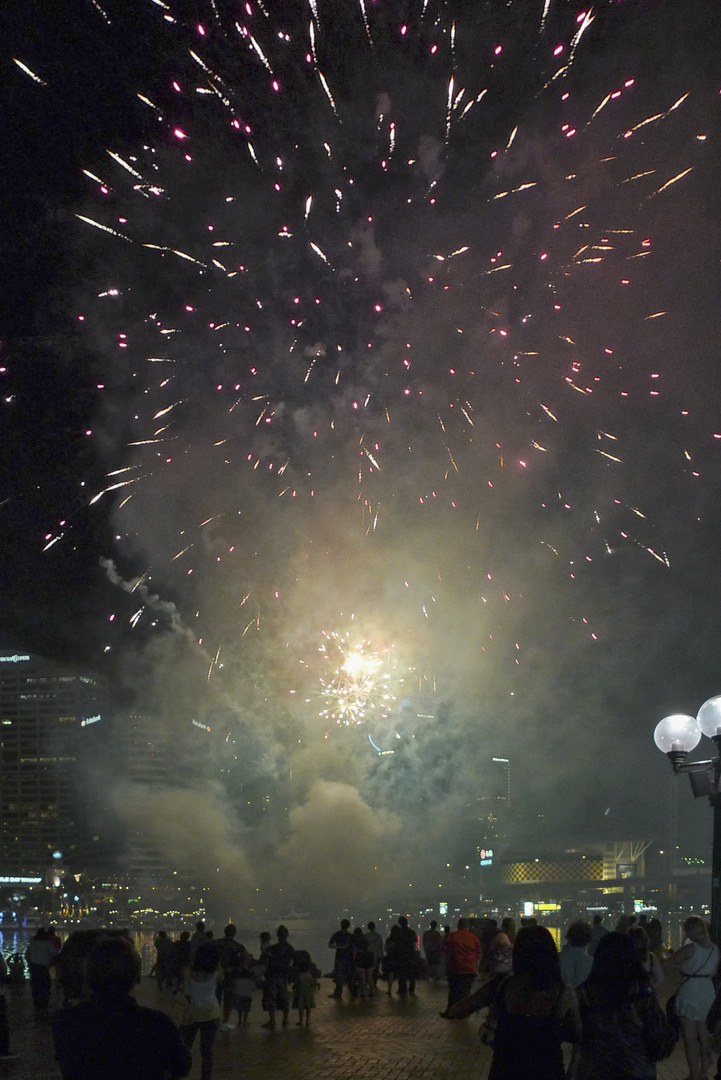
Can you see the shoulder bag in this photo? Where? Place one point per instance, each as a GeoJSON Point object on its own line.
{"type": "Point", "coordinates": [658, 1033]}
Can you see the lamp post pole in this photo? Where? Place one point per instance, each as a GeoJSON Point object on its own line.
{"type": "Point", "coordinates": [715, 800]}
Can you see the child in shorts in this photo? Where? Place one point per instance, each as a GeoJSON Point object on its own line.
{"type": "Point", "coordinates": [304, 985]}
{"type": "Point", "coordinates": [243, 984]}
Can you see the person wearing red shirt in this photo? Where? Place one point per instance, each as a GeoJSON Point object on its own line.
{"type": "Point", "coordinates": [462, 951]}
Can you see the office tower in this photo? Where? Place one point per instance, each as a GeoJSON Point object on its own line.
{"type": "Point", "coordinates": [493, 805]}
{"type": "Point", "coordinates": [144, 756]}
{"type": "Point", "coordinates": [45, 712]}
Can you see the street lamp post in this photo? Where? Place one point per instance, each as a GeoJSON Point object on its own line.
{"type": "Point", "coordinates": [676, 736]}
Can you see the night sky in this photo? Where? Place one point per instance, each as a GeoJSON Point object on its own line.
{"type": "Point", "coordinates": [387, 365]}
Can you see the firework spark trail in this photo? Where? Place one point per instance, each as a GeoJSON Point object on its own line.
{"type": "Point", "coordinates": [358, 324]}
{"type": "Point", "coordinates": [28, 71]}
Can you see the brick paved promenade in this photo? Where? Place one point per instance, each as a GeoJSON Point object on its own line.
{"type": "Point", "coordinates": [383, 1039]}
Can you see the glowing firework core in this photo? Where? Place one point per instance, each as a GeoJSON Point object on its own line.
{"type": "Point", "coordinates": [357, 664]}
{"type": "Point", "coordinates": [357, 682]}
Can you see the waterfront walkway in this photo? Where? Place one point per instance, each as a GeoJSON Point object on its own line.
{"type": "Point", "coordinates": [383, 1039]}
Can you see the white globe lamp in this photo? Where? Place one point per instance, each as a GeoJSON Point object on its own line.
{"type": "Point", "coordinates": [676, 735]}
{"type": "Point", "coordinates": [709, 717]}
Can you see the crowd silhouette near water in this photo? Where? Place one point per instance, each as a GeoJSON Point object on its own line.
{"type": "Point", "coordinates": [601, 995]}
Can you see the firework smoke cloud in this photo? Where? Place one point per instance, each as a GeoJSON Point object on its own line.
{"type": "Point", "coordinates": [395, 296]}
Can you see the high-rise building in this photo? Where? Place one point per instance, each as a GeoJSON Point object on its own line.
{"type": "Point", "coordinates": [46, 714]}
{"type": "Point", "coordinates": [493, 805]}
{"type": "Point", "coordinates": [156, 766]}
{"type": "Point", "coordinates": [144, 757]}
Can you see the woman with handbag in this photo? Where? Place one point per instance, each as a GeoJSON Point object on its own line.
{"type": "Point", "coordinates": [535, 1012]}
{"type": "Point", "coordinates": [698, 961]}
{"type": "Point", "coordinates": [625, 1031]}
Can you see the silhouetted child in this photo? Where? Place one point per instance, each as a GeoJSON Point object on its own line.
{"type": "Point", "coordinates": [244, 982]}
{"type": "Point", "coordinates": [304, 977]}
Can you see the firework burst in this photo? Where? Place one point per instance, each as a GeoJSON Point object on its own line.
{"type": "Point", "coordinates": [358, 679]}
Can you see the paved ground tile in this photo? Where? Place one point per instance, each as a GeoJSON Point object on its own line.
{"type": "Point", "coordinates": [385, 1038]}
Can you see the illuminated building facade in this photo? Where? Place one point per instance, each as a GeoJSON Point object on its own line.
{"type": "Point", "coordinates": [144, 756]}
{"type": "Point", "coordinates": [45, 712]}
{"type": "Point", "coordinates": [493, 805]}
{"type": "Point", "coordinates": [595, 873]}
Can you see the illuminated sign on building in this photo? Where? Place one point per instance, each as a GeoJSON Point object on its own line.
{"type": "Point", "coordinates": [14, 659]}
{"type": "Point", "coordinates": [486, 857]}
{"type": "Point", "coordinates": [542, 870]}
{"type": "Point", "coordinates": [20, 880]}
{"type": "Point", "coordinates": [197, 723]}
{"type": "Point", "coordinates": [87, 720]}
{"type": "Point", "coordinates": [442, 909]}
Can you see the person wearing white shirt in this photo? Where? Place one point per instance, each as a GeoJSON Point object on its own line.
{"type": "Point", "coordinates": [375, 944]}
{"type": "Point", "coordinates": [575, 962]}
{"type": "Point", "coordinates": [598, 930]}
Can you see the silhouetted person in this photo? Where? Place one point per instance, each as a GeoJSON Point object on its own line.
{"type": "Point", "coordinates": [40, 954]}
{"type": "Point", "coordinates": [278, 970]}
{"type": "Point", "coordinates": [575, 962]}
{"type": "Point", "coordinates": [375, 943]}
{"type": "Point", "coordinates": [598, 931]}
{"type": "Point", "coordinates": [200, 985]}
{"type": "Point", "coordinates": [181, 956]}
{"type": "Point", "coordinates": [390, 956]}
{"type": "Point", "coordinates": [462, 951]}
{"type": "Point", "coordinates": [230, 952]}
{"type": "Point", "coordinates": [655, 938]}
{"type": "Point", "coordinates": [500, 950]}
{"type": "Point", "coordinates": [239, 995]}
{"type": "Point", "coordinates": [111, 1037]}
{"type": "Point", "coordinates": [535, 1012]}
{"type": "Point", "coordinates": [232, 956]}
{"type": "Point", "coordinates": [364, 962]}
{"type": "Point", "coordinates": [265, 942]}
{"type": "Point", "coordinates": [406, 958]}
{"type": "Point", "coordinates": [625, 1032]}
{"type": "Point", "coordinates": [432, 942]}
{"type": "Point", "coordinates": [697, 961]}
{"type": "Point", "coordinates": [164, 962]}
{"type": "Point", "coordinates": [649, 961]}
{"type": "Point", "coordinates": [342, 941]}
{"type": "Point", "coordinates": [4, 1028]}
{"type": "Point", "coordinates": [304, 977]}
{"type": "Point", "coordinates": [199, 938]}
